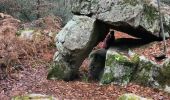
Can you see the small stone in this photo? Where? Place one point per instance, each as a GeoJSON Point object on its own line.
{"type": "Point", "coordinates": [130, 96]}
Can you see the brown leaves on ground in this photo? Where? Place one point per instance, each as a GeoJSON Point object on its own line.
{"type": "Point", "coordinates": [153, 50]}
{"type": "Point", "coordinates": [8, 25]}
{"type": "Point", "coordinates": [33, 80]}
{"type": "Point", "coordinates": [150, 50]}
{"type": "Point", "coordinates": [48, 24]}
{"type": "Point", "coordinates": [18, 52]}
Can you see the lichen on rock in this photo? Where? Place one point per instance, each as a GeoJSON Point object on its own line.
{"type": "Point", "coordinates": [144, 71]}
{"type": "Point", "coordinates": [118, 69]}
{"type": "Point", "coordinates": [121, 69]}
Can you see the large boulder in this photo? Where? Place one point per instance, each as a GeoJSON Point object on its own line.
{"type": "Point", "coordinates": [74, 42]}
{"type": "Point", "coordinates": [152, 74]}
{"type": "Point", "coordinates": [121, 69]}
{"type": "Point", "coordinates": [118, 68]}
{"type": "Point", "coordinates": [94, 18]}
{"type": "Point", "coordinates": [139, 18]}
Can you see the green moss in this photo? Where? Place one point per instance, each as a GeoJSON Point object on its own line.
{"type": "Point", "coordinates": [161, 79]}
{"type": "Point", "coordinates": [151, 13]}
{"type": "Point", "coordinates": [166, 70]}
{"type": "Point", "coordinates": [116, 58]}
{"type": "Point", "coordinates": [107, 78]}
{"type": "Point", "coordinates": [84, 77]}
{"type": "Point", "coordinates": [58, 71]}
{"type": "Point", "coordinates": [131, 97]}
{"type": "Point", "coordinates": [124, 97]}
{"type": "Point", "coordinates": [32, 97]}
{"type": "Point", "coordinates": [114, 63]}
{"type": "Point", "coordinates": [126, 78]}
{"type": "Point", "coordinates": [21, 98]}
{"type": "Point", "coordinates": [18, 33]}
{"type": "Point", "coordinates": [147, 66]}
{"type": "Point", "coordinates": [144, 72]}
{"type": "Point", "coordinates": [135, 59]}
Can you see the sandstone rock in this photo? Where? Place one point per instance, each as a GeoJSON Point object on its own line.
{"type": "Point", "coordinates": [74, 43]}
{"type": "Point", "coordinates": [135, 17]}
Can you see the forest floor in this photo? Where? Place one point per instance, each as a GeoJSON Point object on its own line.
{"type": "Point", "coordinates": [32, 74]}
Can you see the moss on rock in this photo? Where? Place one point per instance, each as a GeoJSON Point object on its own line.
{"type": "Point", "coordinates": [131, 97]}
{"type": "Point", "coordinates": [144, 71]}
{"type": "Point", "coordinates": [117, 58]}
{"type": "Point", "coordinates": [135, 59]}
{"type": "Point", "coordinates": [118, 69]}
{"type": "Point", "coordinates": [58, 71]}
{"type": "Point", "coordinates": [121, 69]}
{"type": "Point", "coordinates": [107, 77]}
{"type": "Point", "coordinates": [166, 70]}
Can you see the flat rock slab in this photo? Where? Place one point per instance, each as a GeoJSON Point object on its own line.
{"type": "Point", "coordinates": [127, 15]}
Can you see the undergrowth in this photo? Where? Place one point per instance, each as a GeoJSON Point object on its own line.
{"type": "Point", "coordinates": [16, 52]}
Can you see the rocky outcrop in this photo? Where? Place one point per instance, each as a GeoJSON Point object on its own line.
{"type": "Point", "coordinates": [94, 18]}
{"type": "Point", "coordinates": [122, 69]}
{"type": "Point", "coordinates": [74, 42]}
{"type": "Point", "coordinates": [135, 17]}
